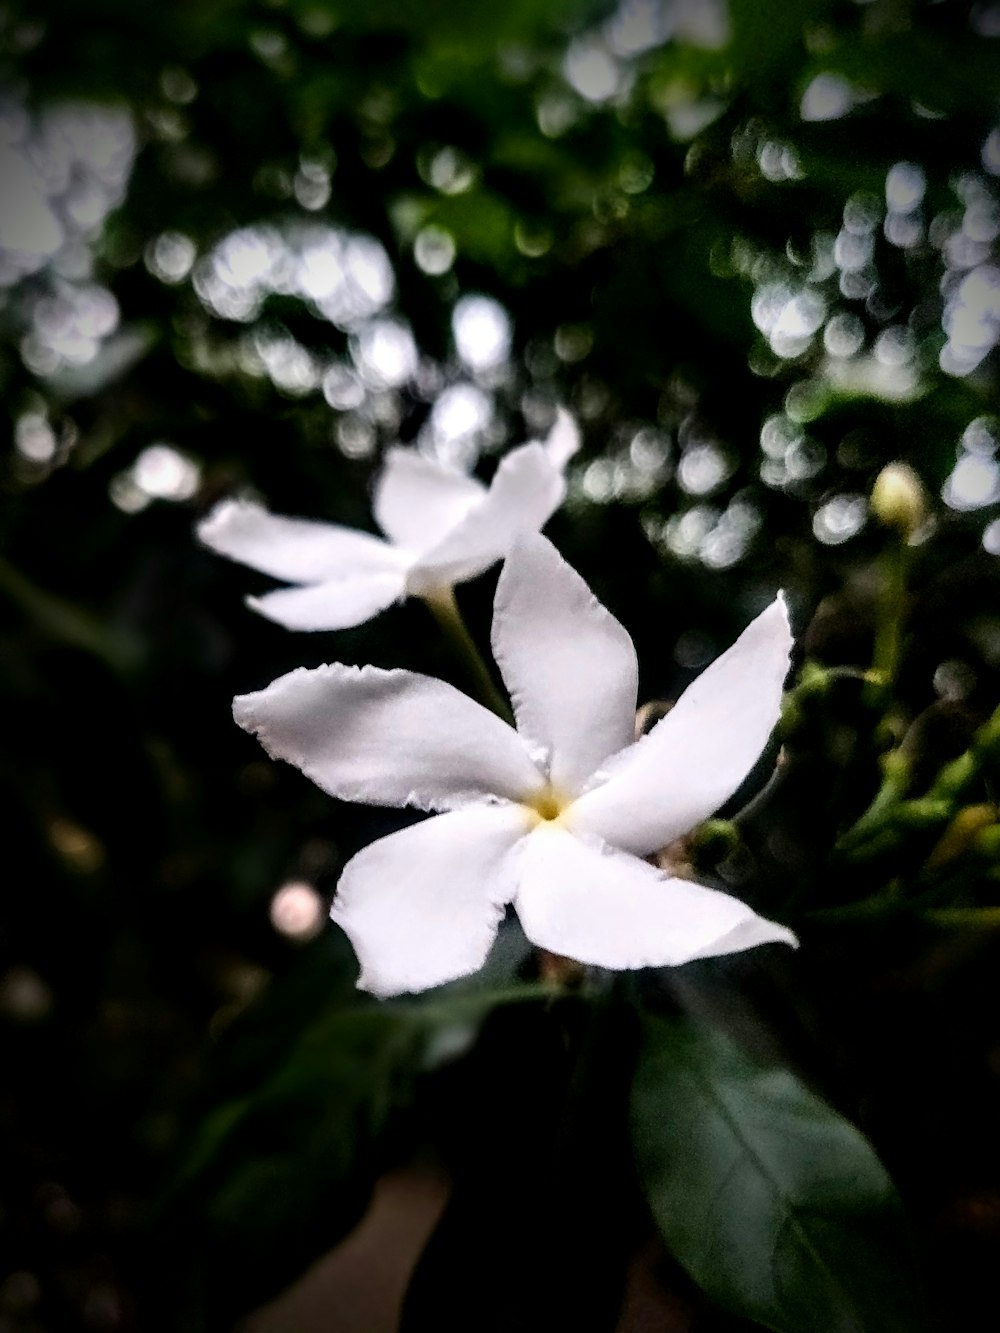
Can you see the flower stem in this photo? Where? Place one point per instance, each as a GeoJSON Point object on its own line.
{"type": "Point", "coordinates": [880, 904]}
{"type": "Point", "coordinates": [68, 623]}
{"type": "Point", "coordinates": [889, 819]}
{"type": "Point", "coordinates": [892, 606]}
{"type": "Point", "coordinates": [555, 970]}
{"type": "Point", "coordinates": [444, 609]}
{"type": "Point", "coordinates": [970, 918]}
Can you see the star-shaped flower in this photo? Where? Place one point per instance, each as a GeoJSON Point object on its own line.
{"type": "Point", "coordinates": [442, 527]}
{"type": "Point", "coordinates": [555, 817]}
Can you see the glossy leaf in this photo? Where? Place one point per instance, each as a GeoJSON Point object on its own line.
{"type": "Point", "coordinates": [775, 1204]}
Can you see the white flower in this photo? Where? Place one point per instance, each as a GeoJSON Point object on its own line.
{"type": "Point", "coordinates": [442, 526]}
{"type": "Point", "coordinates": [555, 817]}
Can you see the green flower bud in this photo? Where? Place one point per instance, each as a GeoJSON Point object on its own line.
{"type": "Point", "coordinates": [967, 828]}
{"type": "Point", "coordinates": [898, 499]}
{"type": "Point", "coordinates": [715, 839]}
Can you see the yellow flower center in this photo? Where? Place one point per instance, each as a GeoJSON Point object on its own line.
{"type": "Point", "coordinates": [546, 806]}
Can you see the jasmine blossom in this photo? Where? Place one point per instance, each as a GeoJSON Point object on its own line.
{"type": "Point", "coordinates": [555, 816]}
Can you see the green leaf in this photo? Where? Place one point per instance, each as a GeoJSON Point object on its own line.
{"type": "Point", "coordinates": [68, 624]}
{"type": "Point", "coordinates": [776, 1205]}
{"type": "Point", "coordinates": [944, 72]}
{"type": "Point", "coordinates": [767, 36]}
{"type": "Point", "coordinates": [274, 1178]}
{"type": "Point", "coordinates": [461, 26]}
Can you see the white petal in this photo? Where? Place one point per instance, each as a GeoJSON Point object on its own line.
{"type": "Point", "coordinates": [388, 737]}
{"type": "Point", "coordinates": [296, 549]}
{"type": "Point", "coordinates": [526, 489]}
{"type": "Point", "coordinates": [417, 501]}
{"type": "Point", "coordinates": [422, 906]}
{"type": "Point", "coordinates": [568, 664]}
{"type": "Point", "coordinates": [597, 905]}
{"type": "Point", "coordinates": [696, 757]}
{"type": "Point", "coordinates": [336, 605]}
{"type": "Point", "coordinates": [563, 440]}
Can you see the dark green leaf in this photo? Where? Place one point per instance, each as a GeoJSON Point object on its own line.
{"type": "Point", "coordinates": [776, 1205]}
{"type": "Point", "coordinates": [766, 36]}
{"type": "Point", "coordinates": [276, 1177]}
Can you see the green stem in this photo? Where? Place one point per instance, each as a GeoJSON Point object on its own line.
{"type": "Point", "coordinates": [444, 609]}
{"type": "Point", "coordinates": [68, 623]}
{"type": "Point", "coordinates": [892, 606]}
{"type": "Point", "coordinates": [895, 781]}
{"type": "Point", "coordinates": [881, 904]}
{"type": "Point", "coordinates": [967, 918]}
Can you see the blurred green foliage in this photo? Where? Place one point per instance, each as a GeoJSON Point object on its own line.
{"type": "Point", "coordinates": [753, 247]}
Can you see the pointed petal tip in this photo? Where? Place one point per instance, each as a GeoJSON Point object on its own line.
{"type": "Point", "coordinates": [773, 623]}
{"type": "Point", "coordinates": [246, 706]}
{"type": "Point", "coordinates": [750, 933]}
{"type": "Point", "coordinates": [243, 711]}
{"type": "Point", "coordinates": [778, 934]}
{"type": "Point", "coordinates": [776, 607]}
{"type": "Point", "coordinates": [270, 606]}
{"type": "Point", "coordinates": [370, 985]}
{"type": "Point", "coordinates": [526, 551]}
{"type": "Point", "coordinates": [786, 620]}
{"type": "Point", "coordinates": [763, 931]}
{"type": "Point", "coordinates": [333, 604]}
{"type": "Point", "coordinates": [532, 549]}
{"type": "Point", "coordinates": [219, 517]}
{"type": "Point", "coordinates": [569, 666]}
{"type": "Point", "coordinates": [563, 440]}
{"type": "Point", "coordinates": [368, 979]}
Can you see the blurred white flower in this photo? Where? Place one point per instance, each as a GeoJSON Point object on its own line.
{"type": "Point", "coordinates": [441, 527]}
{"type": "Point", "coordinates": [554, 817]}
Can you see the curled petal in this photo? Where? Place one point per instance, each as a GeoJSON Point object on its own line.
{"type": "Point", "coordinates": [417, 501]}
{"type": "Point", "coordinates": [338, 604]}
{"type": "Point", "coordinates": [568, 664]}
{"type": "Point", "coordinates": [296, 549]}
{"type": "Point", "coordinates": [696, 757]}
{"type": "Point", "coordinates": [422, 906]}
{"type": "Point", "coordinates": [590, 902]}
{"type": "Point", "coordinates": [526, 489]}
{"type": "Point", "coordinates": [388, 738]}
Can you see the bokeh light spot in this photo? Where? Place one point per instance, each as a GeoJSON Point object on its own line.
{"type": "Point", "coordinates": [839, 519]}
{"type": "Point", "coordinates": [297, 911]}
{"type": "Point", "coordinates": [482, 331]}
